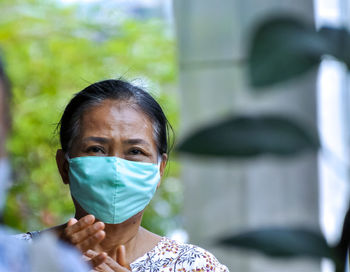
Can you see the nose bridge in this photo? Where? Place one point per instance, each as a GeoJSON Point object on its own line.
{"type": "Point", "coordinates": [116, 147]}
{"type": "Point", "coordinates": [116, 151]}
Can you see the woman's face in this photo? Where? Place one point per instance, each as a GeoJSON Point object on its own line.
{"type": "Point", "coordinates": [116, 128]}
{"type": "Point", "coordinates": [113, 128]}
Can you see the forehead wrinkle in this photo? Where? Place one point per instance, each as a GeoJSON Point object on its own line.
{"type": "Point", "coordinates": [96, 139]}
{"type": "Point", "coordinates": [121, 122]}
{"type": "Point", "coordinates": [146, 117]}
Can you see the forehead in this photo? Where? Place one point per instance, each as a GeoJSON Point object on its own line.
{"type": "Point", "coordinates": [114, 118]}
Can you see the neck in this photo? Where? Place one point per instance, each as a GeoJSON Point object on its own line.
{"type": "Point", "coordinates": [137, 240]}
{"type": "Point", "coordinates": [127, 233]}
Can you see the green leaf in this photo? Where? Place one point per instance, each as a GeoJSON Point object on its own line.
{"type": "Point", "coordinates": [282, 242]}
{"type": "Point", "coordinates": [283, 48]}
{"type": "Point", "coordinates": [250, 136]}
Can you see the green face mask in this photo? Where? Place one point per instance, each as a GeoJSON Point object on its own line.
{"type": "Point", "coordinates": [111, 188]}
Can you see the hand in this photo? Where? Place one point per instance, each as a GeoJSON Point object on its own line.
{"type": "Point", "coordinates": [108, 265]}
{"type": "Point", "coordinates": [96, 261]}
{"type": "Point", "coordinates": [85, 234]}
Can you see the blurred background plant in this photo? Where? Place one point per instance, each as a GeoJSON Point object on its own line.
{"type": "Point", "coordinates": [281, 49]}
{"type": "Point", "coordinates": [53, 50]}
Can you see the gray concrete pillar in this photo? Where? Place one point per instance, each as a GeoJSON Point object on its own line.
{"type": "Point", "coordinates": [227, 196]}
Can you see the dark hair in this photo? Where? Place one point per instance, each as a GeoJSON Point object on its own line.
{"type": "Point", "coordinates": [96, 93]}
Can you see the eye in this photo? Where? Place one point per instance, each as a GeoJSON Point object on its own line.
{"type": "Point", "coordinates": [95, 150]}
{"type": "Point", "coordinates": [136, 151]}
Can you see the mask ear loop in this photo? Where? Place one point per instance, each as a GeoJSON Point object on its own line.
{"type": "Point", "coordinates": [67, 157]}
{"type": "Point", "coordinates": [159, 161]}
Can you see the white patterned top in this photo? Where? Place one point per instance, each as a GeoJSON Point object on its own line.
{"type": "Point", "coordinates": [173, 256]}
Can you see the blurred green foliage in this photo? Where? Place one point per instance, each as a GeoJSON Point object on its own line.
{"type": "Point", "coordinates": [53, 51]}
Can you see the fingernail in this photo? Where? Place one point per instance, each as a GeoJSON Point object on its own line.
{"type": "Point", "coordinates": [88, 219]}
{"type": "Point", "coordinates": [100, 234]}
{"type": "Point", "coordinates": [103, 255]}
{"type": "Point", "coordinates": [97, 226]}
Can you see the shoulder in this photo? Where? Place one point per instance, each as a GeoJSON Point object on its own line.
{"type": "Point", "coordinates": [9, 239]}
{"type": "Point", "coordinates": [194, 257]}
{"type": "Point", "coordinates": [14, 253]}
{"type": "Point", "coordinates": [44, 252]}
{"type": "Point", "coordinates": [29, 236]}
{"type": "Point", "coordinates": [34, 235]}
{"type": "Point", "coordinates": [170, 255]}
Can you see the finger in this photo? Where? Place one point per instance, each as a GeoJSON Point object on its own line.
{"type": "Point", "coordinates": [121, 257]}
{"type": "Point", "coordinates": [78, 237]}
{"type": "Point", "coordinates": [101, 268]}
{"type": "Point", "coordinates": [92, 241]}
{"type": "Point", "coordinates": [81, 224]}
{"type": "Point", "coordinates": [104, 268]}
{"type": "Point", "coordinates": [115, 266]}
{"type": "Point", "coordinates": [71, 222]}
{"type": "Point", "coordinates": [93, 259]}
{"type": "Point", "coordinates": [98, 260]}
{"type": "Point", "coordinates": [108, 265]}
{"type": "Point", "coordinates": [90, 253]}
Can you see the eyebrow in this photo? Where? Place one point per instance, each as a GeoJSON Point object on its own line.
{"type": "Point", "coordinates": [136, 141]}
{"type": "Point", "coordinates": [106, 140]}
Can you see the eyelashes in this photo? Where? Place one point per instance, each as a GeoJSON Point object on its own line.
{"type": "Point", "coordinates": [99, 150]}
{"type": "Point", "coordinates": [95, 150]}
{"type": "Point", "coordinates": [136, 151]}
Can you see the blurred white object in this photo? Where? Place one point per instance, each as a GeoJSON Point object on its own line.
{"type": "Point", "coordinates": [179, 235]}
{"type": "Point", "coordinates": [334, 187]}
{"type": "Point", "coordinates": [5, 180]}
{"type": "Point", "coordinates": [43, 254]}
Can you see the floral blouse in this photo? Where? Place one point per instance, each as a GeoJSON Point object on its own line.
{"type": "Point", "coordinates": [172, 256]}
{"type": "Point", "coordinates": [169, 256]}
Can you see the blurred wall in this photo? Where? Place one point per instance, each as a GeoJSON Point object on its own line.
{"type": "Point", "coordinates": [228, 196]}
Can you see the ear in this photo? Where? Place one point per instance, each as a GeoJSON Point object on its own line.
{"type": "Point", "coordinates": [62, 165]}
{"type": "Point", "coordinates": [163, 163]}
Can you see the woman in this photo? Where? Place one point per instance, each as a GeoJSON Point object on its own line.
{"type": "Point", "coordinates": [114, 151]}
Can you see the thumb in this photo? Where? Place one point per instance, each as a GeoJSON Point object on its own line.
{"type": "Point", "coordinates": [71, 222]}
{"type": "Point", "coordinates": [121, 257]}
{"type": "Point", "coordinates": [95, 259]}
